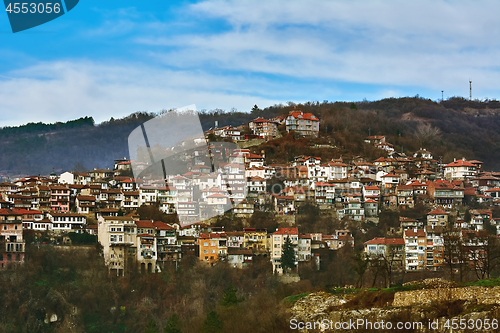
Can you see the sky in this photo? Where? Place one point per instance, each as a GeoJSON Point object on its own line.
{"type": "Point", "coordinates": [112, 58]}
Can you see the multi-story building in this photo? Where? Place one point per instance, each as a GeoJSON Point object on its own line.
{"type": "Point", "coordinates": [277, 239]}
{"type": "Point", "coordinates": [478, 218]}
{"type": "Point", "coordinates": [255, 239]}
{"type": "Point", "coordinates": [44, 196]}
{"type": "Point", "coordinates": [371, 192]}
{"type": "Point", "coordinates": [391, 250]}
{"type": "Point", "coordinates": [167, 197]}
{"type": "Point", "coordinates": [30, 217]}
{"type": "Point", "coordinates": [353, 208]}
{"type": "Point", "coordinates": [435, 247]}
{"type": "Point", "coordinates": [244, 209]}
{"type": "Point", "coordinates": [118, 237]}
{"type": "Point", "coordinates": [256, 185]}
{"type": "Point", "coordinates": [460, 170]}
{"type": "Point", "coordinates": [304, 248]}
{"type": "Point", "coordinates": [305, 124]}
{"type": "Point", "coordinates": [146, 244]}
{"type": "Point", "coordinates": [324, 193]}
{"type": "Point", "coordinates": [85, 204]}
{"type": "Point", "coordinates": [437, 217]}
{"type": "Point", "coordinates": [212, 247]}
{"type": "Point", "coordinates": [371, 208]}
{"type": "Point", "coordinates": [67, 222]}
{"type": "Point", "coordinates": [337, 170]}
{"type": "Point", "coordinates": [235, 239]}
{"type": "Point", "coordinates": [264, 128]}
{"type": "Point", "coordinates": [408, 223]}
{"type": "Point", "coordinates": [405, 195]}
{"type": "Point", "coordinates": [112, 197]}
{"type": "Point", "coordinates": [415, 249]}
{"type": "Point", "coordinates": [445, 194]}
{"type": "Point", "coordinates": [390, 181]}
{"type": "Point", "coordinates": [130, 199]}
{"type": "Point", "coordinates": [166, 239]}
{"type": "Point", "coordinates": [59, 198]}
{"type": "Point", "coordinates": [11, 237]}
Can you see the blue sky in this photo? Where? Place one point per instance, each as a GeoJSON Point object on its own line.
{"type": "Point", "coordinates": [111, 58]}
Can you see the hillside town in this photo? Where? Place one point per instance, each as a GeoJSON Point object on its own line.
{"type": "Point", "coordinates": [459, 198]}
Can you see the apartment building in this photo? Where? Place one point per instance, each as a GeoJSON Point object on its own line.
{"type": "Point", "coordinates": [277, 239]}
{"type": "Point", "coordinates": [118, 237]}
{"type": "Point", "coordinates": [11, 237]}
{"type": "Point", "coordinates": [305, 124]}
{"type": "Point", "coordinates": [415, 249]}
{"type": "Point", "coordinates": [212, 247]}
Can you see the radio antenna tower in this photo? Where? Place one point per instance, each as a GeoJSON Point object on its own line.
{"type": "Point", "coordinates": [470, 89]}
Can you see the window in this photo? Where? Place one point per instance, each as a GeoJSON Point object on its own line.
{"type": "Point", "coordinates": [205, 251]}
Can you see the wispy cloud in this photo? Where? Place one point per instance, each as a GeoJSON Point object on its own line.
{"type": "Point", "coordinates": [55, 91]}
{"type": "Point", "coordinates": [237, 53]}
{"type": "Point", "coordinates": [428, 44]}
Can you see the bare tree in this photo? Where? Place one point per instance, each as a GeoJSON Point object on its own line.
{"type": "Point", "coordinates": [486, 254]}
{"type": "Point", "coordinates": [453, 245]}
{"type": "Point", "coordinates": [426, 134]}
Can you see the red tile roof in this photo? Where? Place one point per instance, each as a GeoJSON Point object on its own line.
{"type": "Point", "coordinates": [213, 235]}
{"type": "Point", "coordinates": [162, 226]}
{"type": "Point", "coordinates": [216, 195]}
{"type": "Point", "coordinates": [390, 175]}
{"type": "Point", "coordinates": [437, 212]}
{"type": "Point", "coordinates": [302, 115]}
{"type": "Point", "coordinates": [459, 163]}
{"type": "Point", "coordinates": [286, 231]}
{"type": "Point", "coordinates": [387, 241]}
{"type": "Point", "coordinates": [144, 224]}
{"type": "Point", "coordinates": [412, 233]}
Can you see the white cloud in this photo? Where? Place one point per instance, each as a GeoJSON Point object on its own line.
{"type": "Point", "coordinates": [58, 91]}
{"type": "Point", "coordinates": [433, 44]}
{"type": "Point", "coordinates": [265, 52]}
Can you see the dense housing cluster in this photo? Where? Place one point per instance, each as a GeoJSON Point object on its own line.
{"type": "Point", "coordinates": [105, 202]}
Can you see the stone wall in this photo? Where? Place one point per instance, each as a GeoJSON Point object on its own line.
{"type": "Point", "coordinates": [483, 295]}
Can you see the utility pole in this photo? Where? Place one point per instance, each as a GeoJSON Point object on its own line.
{"type": "Point", "coordinates": [470, 89]}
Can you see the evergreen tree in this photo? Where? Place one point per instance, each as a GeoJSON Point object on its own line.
{"type": "Point", "coordinates": [212, 324]}
{"type": "Point", "coordinates": [172, 325]}
{"type": "Point", "coordinates": [230, 297]}
{"type": "Point", "coordinates": [288, 255]}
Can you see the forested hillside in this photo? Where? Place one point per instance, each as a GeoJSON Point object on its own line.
{"type": "Point", "coordinates": [449, 129]}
